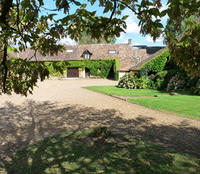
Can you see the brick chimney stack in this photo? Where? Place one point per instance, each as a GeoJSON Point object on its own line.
{"type": "Point", "coordinates": [129, 41]}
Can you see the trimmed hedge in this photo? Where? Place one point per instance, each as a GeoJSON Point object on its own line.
{"type": "Point", "coordinates": [101, 67]}
{"type": "Point", "coordinates": [155, 65]}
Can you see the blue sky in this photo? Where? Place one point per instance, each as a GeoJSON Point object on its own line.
{"type": "Point", "coordinates": [132, 31]}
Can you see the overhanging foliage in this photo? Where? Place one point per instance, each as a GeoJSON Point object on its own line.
{"type": "Point", "coordinates": [22, 24]}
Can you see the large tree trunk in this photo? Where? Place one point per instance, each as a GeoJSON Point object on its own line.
{"type": "Point", "coordinates": [5, 8]}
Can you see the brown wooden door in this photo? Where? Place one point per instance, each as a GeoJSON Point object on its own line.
{"type": "Point", "coordinates": [72, 72]}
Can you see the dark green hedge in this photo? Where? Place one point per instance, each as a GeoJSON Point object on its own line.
{"type": "Point", "coordinates": [99, 68]}
{"type": "Point", "coordinates": [155, 65]}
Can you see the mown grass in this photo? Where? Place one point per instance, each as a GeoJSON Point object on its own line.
{"type": "Point", "coordinates": [114, 90]}
{"type": "Point", "coordinates": [77, 152]}
{"type": "Point", "coordinates": [183, 105]}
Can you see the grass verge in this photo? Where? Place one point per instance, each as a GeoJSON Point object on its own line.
{"type": "Point", "coordinates": [77, 152]}
{"type": "Point", "coordinates": [114, 90]}
{"type": "Point", "coordinates": [183, 105]}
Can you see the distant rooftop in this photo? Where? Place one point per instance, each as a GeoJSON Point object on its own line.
{"type": "Point", "coordinates": [150, 49]}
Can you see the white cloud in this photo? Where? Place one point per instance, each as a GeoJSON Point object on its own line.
{"type": "Point", "coordinates": [132, 26]}
{"type": "Point", "coordinates": [164, 7]}
{"type": "Point", "coordinates": [49, 22]}
{"type": "Point", "coordinates": [133, 30]}
{"type": "Point", "coordinates": [125, 42]}
{"type": "Point", "coordinates": [130, 14]}
{"type": "Point", "coordinates": [67, 41]}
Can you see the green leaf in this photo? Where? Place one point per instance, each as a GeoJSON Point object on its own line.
{"type": "Point", "coordinates": [164, 12]}
{"type": "Point", "coordinates": [159, 25]}
{"type": "Point", "coordinates": [77, 3]}
{"type": "Point", "coordinates": [83, 6]}
{"type": "Point", "coordinates": [106, 9]}
{"type": "Point", "coordinates": [125, 17]}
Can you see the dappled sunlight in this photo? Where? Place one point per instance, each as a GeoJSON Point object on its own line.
{"type": "Point", "coordinates": [21, 125]}
{"type": "Point", "coordinates": [77, 152]}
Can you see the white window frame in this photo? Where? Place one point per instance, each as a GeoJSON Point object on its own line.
{"type": "Point", "coordinates": [137, 58]}
{"type": "Point", "coordinates": [87, 56]}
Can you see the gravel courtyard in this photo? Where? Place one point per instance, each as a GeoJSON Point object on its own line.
{"type": "Point", "coordinates": [62, 105]}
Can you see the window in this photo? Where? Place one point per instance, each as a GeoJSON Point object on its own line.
{"type": "Point", "coordinates": [112, 52]}
{"type": "Point", "coordinates": [138, 58]}
{"type": "Point", "coordinates": [69, 51]}
{"type": "Point", "coordinates": [87, 56]}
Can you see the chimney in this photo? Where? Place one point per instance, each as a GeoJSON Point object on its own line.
{"type": "Point", "coordinates": [129, 41]}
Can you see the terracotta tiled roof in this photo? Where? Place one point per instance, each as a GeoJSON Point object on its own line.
{"type": "Point", "coordinates": [124, 52]}
{"type": "Point", "coordinates": [136, 67]}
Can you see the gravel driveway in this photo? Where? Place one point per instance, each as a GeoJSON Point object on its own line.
{"type": "Point", "coordinates": [62, 105]}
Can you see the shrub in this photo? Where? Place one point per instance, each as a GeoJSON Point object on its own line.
{"type": "Point", "coordinates": [158, 80]}
{"type": "Point", "coordinates": [176, 83]}
{"type": "Point", "coordinates": [192, 82]}
{"type": "Point", "coordinates": [143, 83]}
{"type": "Point", "coordinates": [131, 81]}
{"type": "Point", "coordinates": [128, 81]}
{"type": "Point", "coordinates": [169, 74]}
{"type": "Point", "coordinates": [196, 90]}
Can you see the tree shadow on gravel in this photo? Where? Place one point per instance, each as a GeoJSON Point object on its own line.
{"type": "Point", "coordinates": [21, 125]}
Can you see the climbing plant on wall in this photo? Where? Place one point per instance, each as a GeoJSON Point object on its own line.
{"type": "Point", "coordinates": [99, 68]}
{"type": "Point", "coordinates": [155, 65]}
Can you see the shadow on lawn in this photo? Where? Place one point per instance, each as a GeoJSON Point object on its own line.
{"type": "Point", "coordinates": [21, 125]}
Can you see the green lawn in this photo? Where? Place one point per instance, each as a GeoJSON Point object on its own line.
{"type": "Point", "coordinates": [184, 105]}
{"type": "Point", "coordinates": [113, 90]}
{"type": "Point", "coordinates": [77, 152]}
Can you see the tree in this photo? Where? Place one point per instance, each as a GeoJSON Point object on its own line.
{"type": "Point", "coordinates": [184, 44]}
{"type": "Point", "coordinates": [22, 25]}
{"type": "Point", "coordinates": [86, 38]}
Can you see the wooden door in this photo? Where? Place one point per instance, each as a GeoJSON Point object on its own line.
{"type": "Point", "coordinates": [72, 72]}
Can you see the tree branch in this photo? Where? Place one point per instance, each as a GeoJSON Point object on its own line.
{"type": "Point", "coordinates": [34, 55]}
{"type": "Point", "coordinates": [5, 8]}
{"type": "Point", "coordinates": [111, 16]}
{"type": "Point", "coordinates": [133, 10]}
{"type": "Point", "coordinates": [49, 9]}
{"type": "Point", "coordinates": [18, 21]}
{"type": "Point", "coordinates": [21, 32]}
{"type": "Point", "coordinates": [5, 66]}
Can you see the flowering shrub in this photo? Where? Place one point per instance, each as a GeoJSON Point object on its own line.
{"type": "Point", "coordinates": [128, 81]}
{"type": "Point", "coordinates": [176, 84]}
{"type": "Point", "coordinates": [131, 81]}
